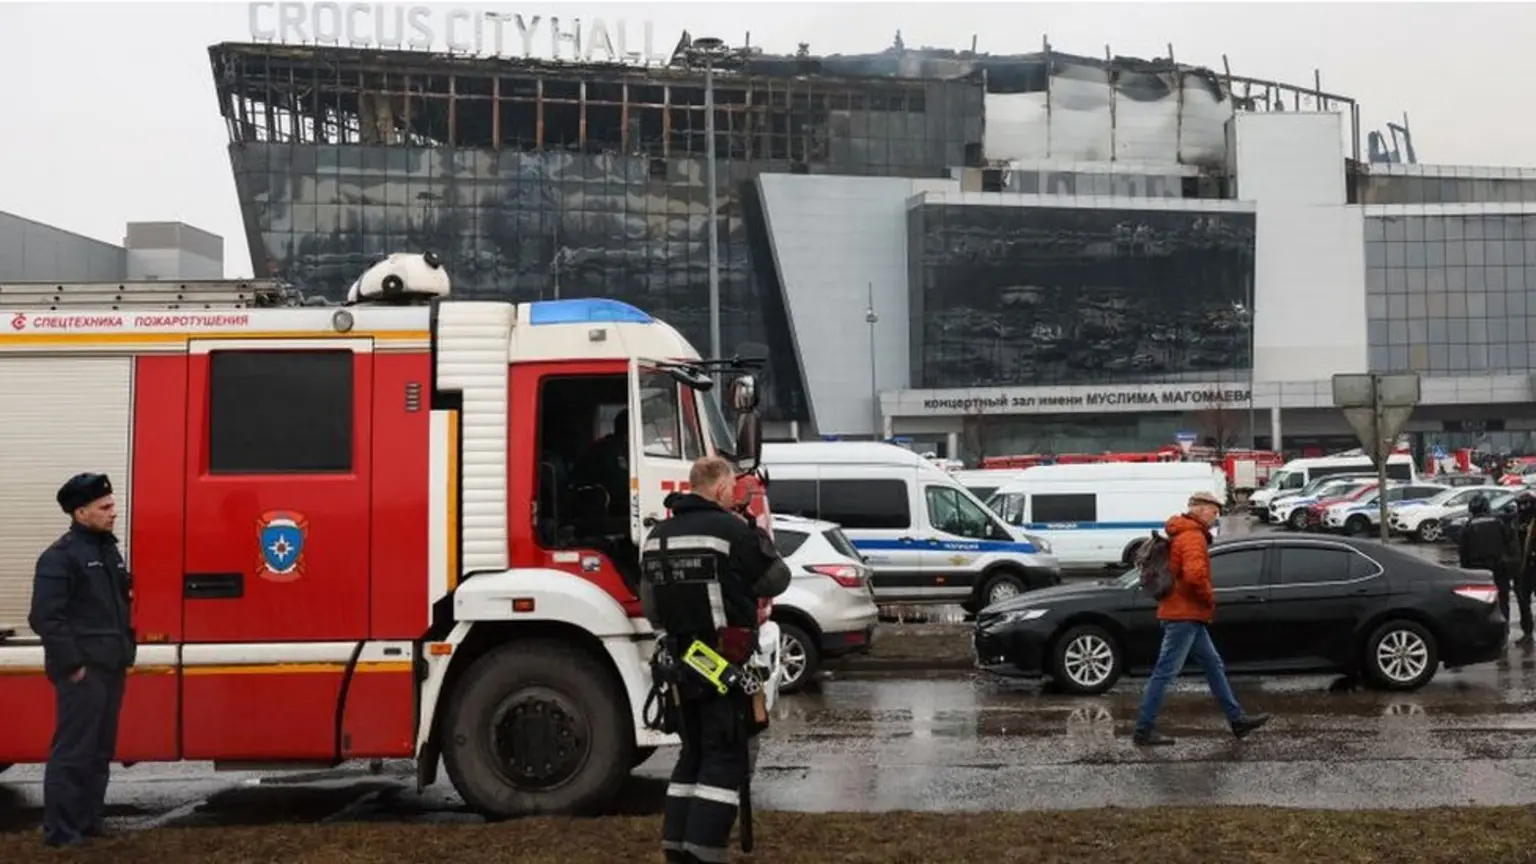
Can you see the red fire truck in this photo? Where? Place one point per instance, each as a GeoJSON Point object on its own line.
{"type": "Point", "coordinates": [351, 529]}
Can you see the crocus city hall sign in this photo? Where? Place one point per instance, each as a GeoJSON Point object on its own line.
{"type": "Point", "coordinates": [460, 31]}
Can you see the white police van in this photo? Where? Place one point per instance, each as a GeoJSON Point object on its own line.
{"type": "Point", "coordinates": [926, 537]}
{"type": "Point", "coordinates": [1096, 515]}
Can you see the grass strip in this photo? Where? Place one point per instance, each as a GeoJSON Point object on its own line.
{"type": "Point", "coordinates": [1470, 835]}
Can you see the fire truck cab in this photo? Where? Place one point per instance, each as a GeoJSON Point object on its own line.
{"type": "Point", "coordinates": [404, 527]}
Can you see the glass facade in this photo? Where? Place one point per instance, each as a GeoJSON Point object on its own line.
{"type": "Point", "coordinates": [1451, 295]}
{"type": "Point", "coordinates": [1402, 189]}
{"type": "Point", "coordinates": [537, 184]}
{"type": "Point", "coordinates": [1034, 296]}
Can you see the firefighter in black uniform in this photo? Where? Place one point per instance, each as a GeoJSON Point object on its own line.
{"type": "Point", "coordinates": [81, 600]}
{"type": "Point", "coordinates": [703, 572]}
{"type": "Point", "coordinates": [1487, 543]}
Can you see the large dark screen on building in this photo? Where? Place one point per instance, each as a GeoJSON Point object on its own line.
{"type": "Point", "coordinates": [1052, 295]}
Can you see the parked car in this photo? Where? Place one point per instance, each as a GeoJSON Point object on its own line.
{"type": "Point", "coordinates": [1422, 521]}
{"type": "Point", "coordinates": [1295, 512]}
{"type": "Point", "coordinates": [1286, 604]}
{"type": "Point", "coordinates": [1317, 512]}
{"type": "Point", "coordinates": [1360, 515]}
{"type": "Point", "coordinates": [1459, 480]}
{"type": "Point", "coordinates": [1503, 502]}
{"type": "Point", "coordinates": [829, 608]}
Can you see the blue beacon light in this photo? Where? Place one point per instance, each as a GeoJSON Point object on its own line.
{"type": "Point", "coordinates": [587, 310]}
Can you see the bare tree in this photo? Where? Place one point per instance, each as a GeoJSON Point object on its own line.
{"type": "Point", "coordinates": [1220, 427]}
{"type": "Point", "coordinates": [977, 431]}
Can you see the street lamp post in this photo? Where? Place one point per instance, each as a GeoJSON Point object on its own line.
{"type": "Point", "coordinates": [872, 319]}
{"type": "Point", "coordinates": [709, 49]}
{"type": "Point", "coordinates": [1245, 312]}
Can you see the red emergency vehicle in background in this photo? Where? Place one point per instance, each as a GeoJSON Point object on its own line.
{"type": "Point", "coordinates": [353, 531]}
{"type": "Point", "coordinates": [1245, 469]}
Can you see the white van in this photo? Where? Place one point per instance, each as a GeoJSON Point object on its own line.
{"type": "Point", "coordinates": [1299, 472]}
{"type": "Point", "coordinates": [1096, 515]}
{"type": "Point", "coordinates": [926, 537]}
{"type": "Point", "coordinates": [984, 481]}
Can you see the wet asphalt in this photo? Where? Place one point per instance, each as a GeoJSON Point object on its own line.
{"type": "Point", "coordinates": [962, 742]}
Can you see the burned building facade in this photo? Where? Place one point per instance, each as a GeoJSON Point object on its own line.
{"type": "Point", "coordinates": [545, 180]}
{"type": "Point", "coordinates": [919, 240]}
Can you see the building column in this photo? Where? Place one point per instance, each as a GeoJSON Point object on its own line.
{"type": "Point", "coordinates": [794, 430]}
{"type": "Point", "coordinates": [1274, 428]}
{"type": "Point", "coordinates": [952, 445]}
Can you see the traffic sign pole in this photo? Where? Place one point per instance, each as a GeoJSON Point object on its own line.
{"type": "Point", "coordinates": [1377, 406]}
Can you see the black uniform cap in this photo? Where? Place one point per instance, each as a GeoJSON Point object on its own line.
{"type": "Point", "coordinates": [82, 489]}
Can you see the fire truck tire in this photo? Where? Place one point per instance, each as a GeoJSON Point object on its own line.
{"type": "Point", "coordinates": [520, 696]}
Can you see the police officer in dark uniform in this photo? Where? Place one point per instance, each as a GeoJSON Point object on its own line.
{"type": "Point", "coordinates": [704, 571]}
{"type": "Point", "coordinates": [1486, 544]}
{"type": "Point", "coordinates": [1523, 566]}
{"type": "Point", "coordinates": [81, 609]}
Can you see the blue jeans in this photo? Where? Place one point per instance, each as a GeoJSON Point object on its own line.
{"type": "Point", "coordinates": [1180, 640]}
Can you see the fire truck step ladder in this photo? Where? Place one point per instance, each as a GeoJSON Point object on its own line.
{"type": "Point", "coordinates": [206, 294]}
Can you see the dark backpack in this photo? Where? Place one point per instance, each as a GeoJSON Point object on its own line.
{"type": "Point", "coordinates": [1152, 562]}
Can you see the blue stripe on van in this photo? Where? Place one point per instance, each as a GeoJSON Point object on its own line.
{"type": "Point", "coordinates": [945, 546]}
{"type": "Point", "coordinates": [1093, 526]}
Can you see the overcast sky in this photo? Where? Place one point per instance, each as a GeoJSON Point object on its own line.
{"type": "Point", "coordinates": [108, 112]}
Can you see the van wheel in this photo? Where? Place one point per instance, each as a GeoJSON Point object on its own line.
{"type": "Point", "coordinates": [537, 727]}
{"type": "Point", "coordinates": [1001, 586]}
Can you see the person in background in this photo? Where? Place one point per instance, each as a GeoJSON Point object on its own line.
{"type": "Point", "coordinates": [1523, 568]}
{"type": "Point", "coordinates": [1186, 613]}
{"type": "Point", "coordinates": [607, 465]}
{"type": "Point", "coordinates": [81, 608]}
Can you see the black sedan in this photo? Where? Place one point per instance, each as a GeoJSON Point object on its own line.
{"type": "Point", "coordinates": [1283, 605]}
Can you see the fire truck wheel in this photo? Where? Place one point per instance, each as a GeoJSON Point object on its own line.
{"type": "Point", "coordinates": [537, 727]}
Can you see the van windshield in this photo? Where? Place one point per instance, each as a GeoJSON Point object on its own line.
{"type": "Point", "coordinates": [1283, 480]}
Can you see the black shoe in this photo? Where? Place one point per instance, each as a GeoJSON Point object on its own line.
{"type": "Point", "coordinates": [1525, 641]}
{"type": "Point", "coordinates": [1247, 723]}
{"type": "Point", "coordinates": [1150, 738]}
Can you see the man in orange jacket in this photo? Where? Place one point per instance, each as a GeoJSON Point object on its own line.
{"type": "Point", "coordinates": [1185, 613]}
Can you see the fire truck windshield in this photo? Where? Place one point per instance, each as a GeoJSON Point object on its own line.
{"type": "Point", "coordinates": [720, 431]}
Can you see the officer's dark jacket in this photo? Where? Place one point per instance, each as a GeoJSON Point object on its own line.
{"type": "Point", "coordinates": [1485, 542]}
{"type": "Point", "coordinates": [80, 604]}
{"type": "Point", "coordinates": [751, 570]}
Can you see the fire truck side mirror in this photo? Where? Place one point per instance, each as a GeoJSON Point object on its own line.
{"type": "Point", "coordinates": [749, 441]}
{"type": "Point", "coordinates": [744, 393]}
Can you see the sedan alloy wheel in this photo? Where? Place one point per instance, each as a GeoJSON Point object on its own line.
{"type": "Point", "coordinates": [1086, 660]}
{"type": "Point", "coordinates": [1429, 531]}
{"type": "Point", "coordinates": [1402, 655]}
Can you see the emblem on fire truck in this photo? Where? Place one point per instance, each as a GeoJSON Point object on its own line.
{"type": "Point", "coordinates": [281, 535]}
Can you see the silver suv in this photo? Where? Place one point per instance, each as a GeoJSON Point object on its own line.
{"type": "Point", "coordinates": [829, 608]}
